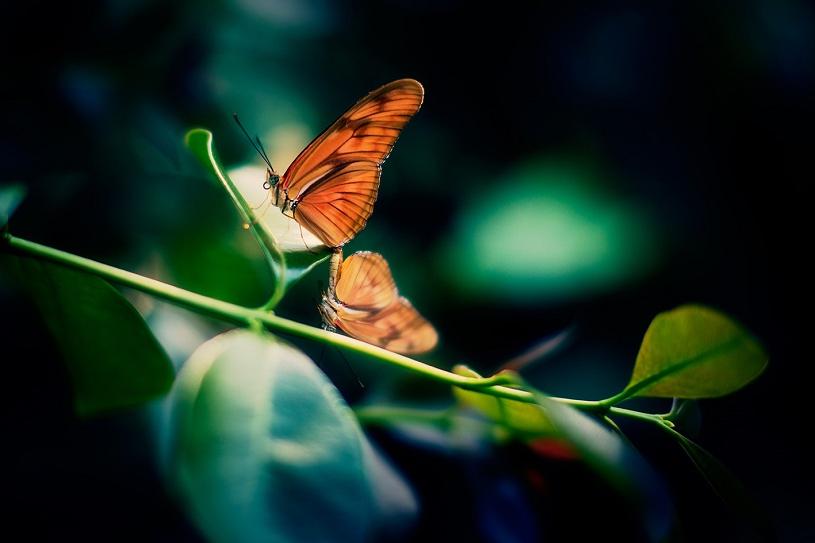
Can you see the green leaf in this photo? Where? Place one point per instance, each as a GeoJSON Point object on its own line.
{"type": "Point", "coordinates": [616, 461]}
{"type": "Point", "coordinates": [10, 198]}
{"type": "Point", "coordinates": [726, 486]}
{"type": "Point", "coordinates": [269, 228]}
{"type": "Point", "coordinates": [298, 265]}
{"type": "Point", "coordinates": [263, 448]}
{"type": "Point", "coordinates": [302, 250]}
{"type": "Point", "coordinates": [113, 358]}
{"type": "Point", "coordinates": [200, 142]}
{"type": "Point", "coordinates": [525, 419]}
{"type": "Point", "coordinates": [216, 266]}
{"type": "Point", "coordinates": [695, 352]}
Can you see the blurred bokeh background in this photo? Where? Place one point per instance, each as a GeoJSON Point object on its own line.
{"type": "Point", "coordinates": [576, 167]}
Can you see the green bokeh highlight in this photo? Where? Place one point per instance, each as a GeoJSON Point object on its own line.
{"type": "Point", "coordinates": [547, 231]}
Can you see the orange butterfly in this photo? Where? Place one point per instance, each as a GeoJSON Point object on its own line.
{"type": "Point", "coordinates": [362, 300]}
{"type": "Point", "coordinates": [331, 186]}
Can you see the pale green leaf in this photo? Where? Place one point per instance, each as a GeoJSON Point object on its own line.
{"type": "Point", "coordinates": [695, 352]}
{"type": "Point", "coordinates": [263, 448]}
{"type": "Point", "coordinates": [291, 250]}
{"type": "Point", "coordinates": [526, 419]}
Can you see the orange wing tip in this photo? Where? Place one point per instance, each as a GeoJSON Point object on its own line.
{"type": "Point", "coordinates": [334, 181]}
{"type": "Point", "coordinates": [432, 341]}
{"type": "Point", "coordinates": [408, 82]}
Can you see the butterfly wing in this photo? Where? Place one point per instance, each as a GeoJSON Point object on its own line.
{"type": "Point", "coordinates": [399, 328]}
{"type": "Point", "coordinates": [335, 180]}
{"type": "Point", "coordinates": [367, 306]}
{"type": "Point", "coordinates": [365, 282]}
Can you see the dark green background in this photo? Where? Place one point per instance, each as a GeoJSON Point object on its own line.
{"type": "Point", "coordinates": [667, 148]}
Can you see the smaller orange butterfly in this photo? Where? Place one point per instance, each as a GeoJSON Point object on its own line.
{"type": "Point", "coordinates": [362, 301]}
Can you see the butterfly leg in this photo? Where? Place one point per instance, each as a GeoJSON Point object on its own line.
{"type": "Point", "coordinates": [350, 368]}
{"type": "Point", "coordinates": [266, 201]}
{"type": "Point", "coordinates": [329, 327]}
{"type": "Point", "coordinates": [303, 239]}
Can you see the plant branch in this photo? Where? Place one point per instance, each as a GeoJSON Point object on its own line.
{"type": "Point", "coordinates": [638, 415]}
{"type": "Point", "coordinates": [250, 317]}
{"type": "Point", "coordinates": [271, 250]}
{"type": "Point", "coordinates": [632, 390]}
{"type": "Point", "coordinates": [245, 316]}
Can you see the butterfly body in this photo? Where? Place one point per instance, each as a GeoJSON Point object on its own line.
{"type": "Point", "coordinates": [362, 301]}
{"type": "Point", "coordinates": [279, 197]}
{"type": "Point", "coordinates": [328, 312]}
{"type": "Point", "coordinates": [331, 186]}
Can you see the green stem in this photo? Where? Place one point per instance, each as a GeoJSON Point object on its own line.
{"type": "Point", "coordinates": [252, 318]}
{"type": "Point", "coordinates": [637, 415]}
{"type": "Point", "coordinates": [675, 367]}
{"type": "Point", "coordinates": [602, 409]}
{"type": "Point", "coordinates": [583, 405]}
{"type": "Point", "coordinates": [267, 242]}
{"type": "Point", "coordinates": [190, 300]}
{"type": "Point", "coordinates": [617, 398]}
{"type": "Point", "coordinates": [247, 317]}
{"type": "Point", "coordinates": [384, 415]}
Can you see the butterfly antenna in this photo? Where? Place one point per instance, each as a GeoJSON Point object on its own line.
{"type": "Point", "coordinates": [320, 357]}
{"type": "Point", "coordinates": [262, 150]}
{"type": "Point", "coordinates": [267, 204]}
{"type": "Point", "coordinates": [266, 200]}
{"type": "Point", "coordinates": [256, 145]}
{"type": "Point", "coordinates": [350, 368]}
{"type": "Point", "coordinates": [339, 352]}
